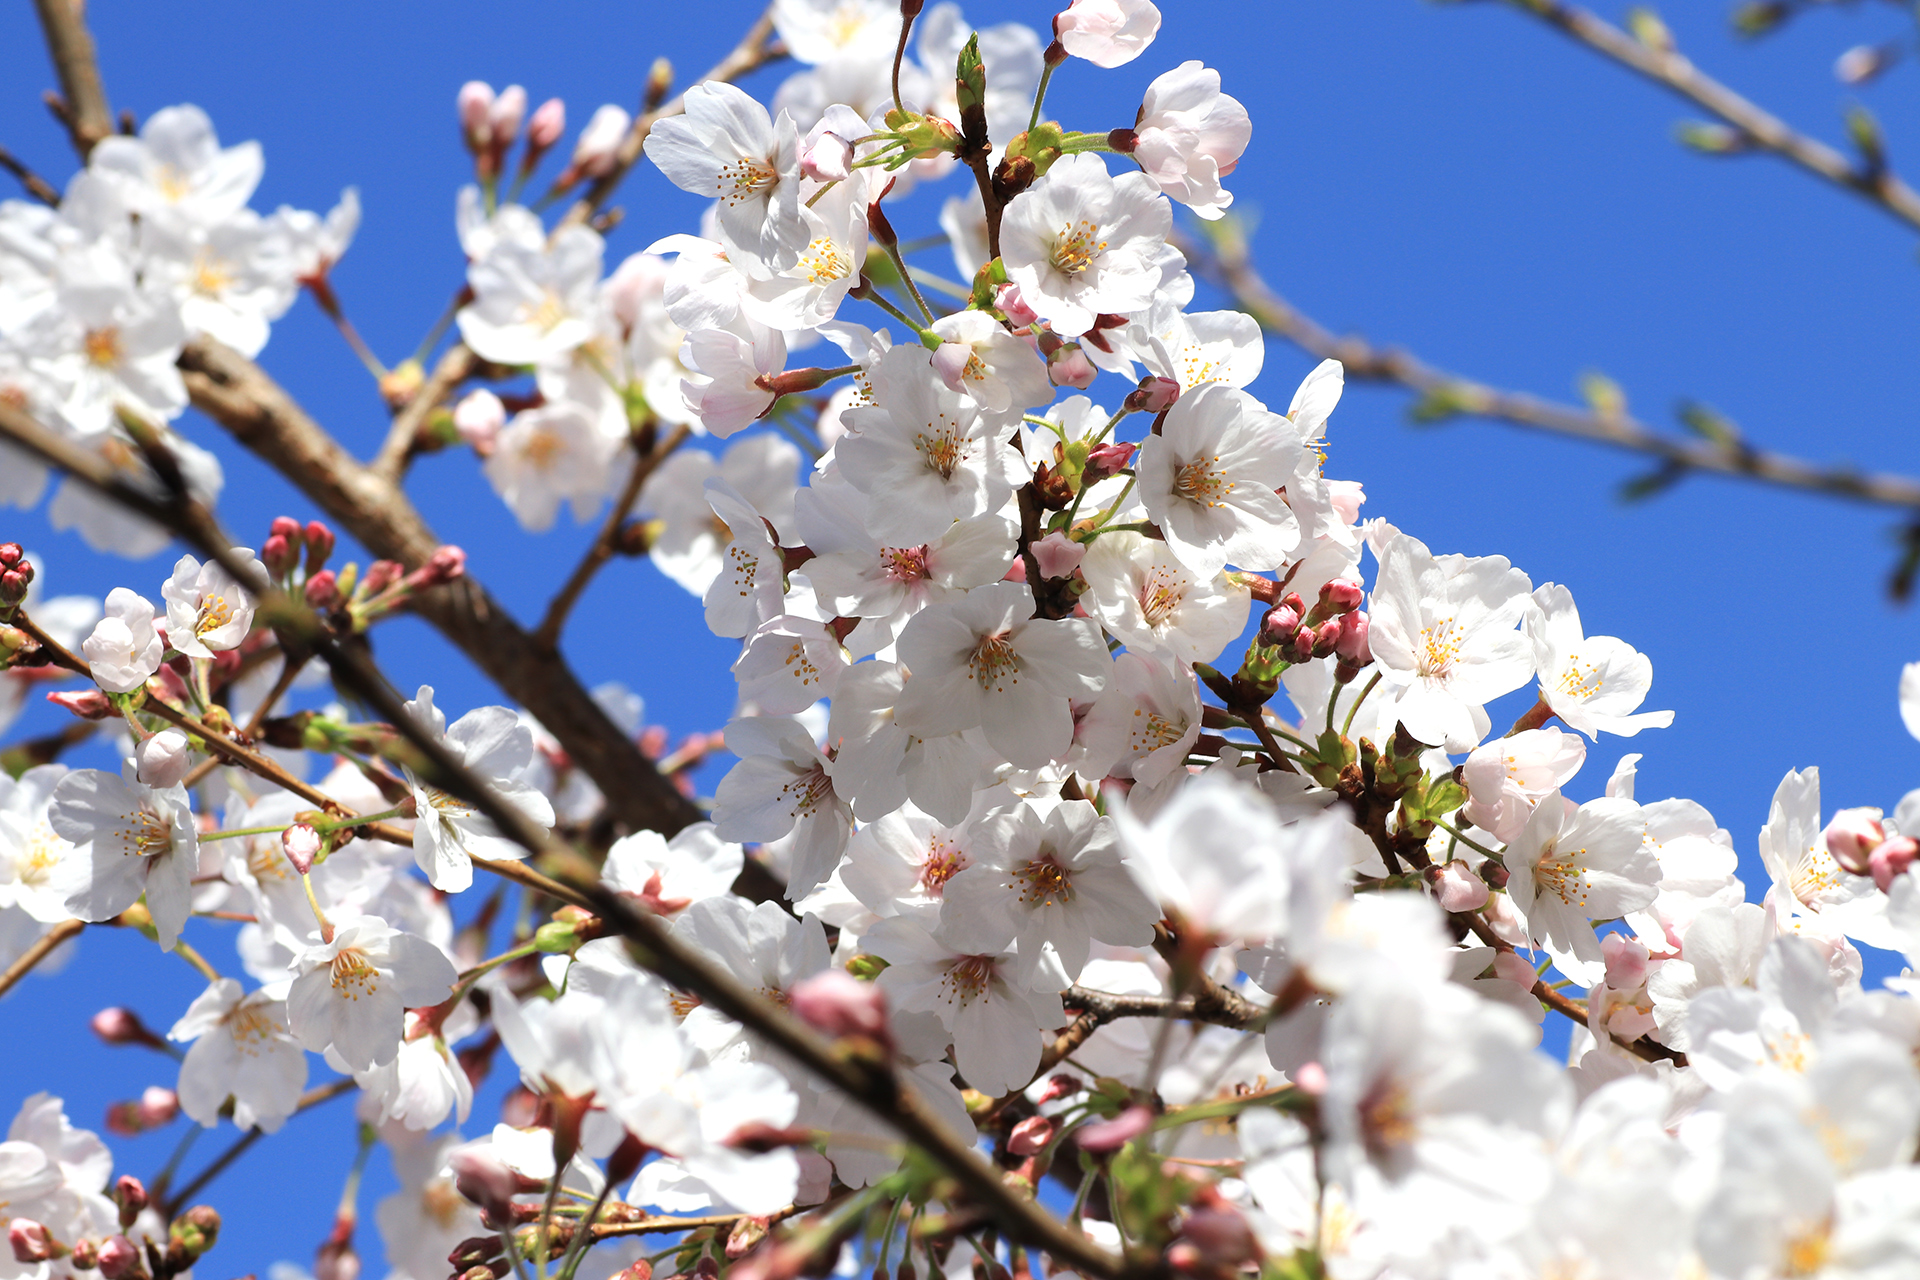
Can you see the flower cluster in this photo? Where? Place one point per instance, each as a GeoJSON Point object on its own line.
{"type": "Point", "coordinates": [1021, 824]}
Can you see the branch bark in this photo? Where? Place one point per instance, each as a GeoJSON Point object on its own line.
{"type": "Point", "coordinates": [390, 464]}
{"type": "Point", "coordinates": [236, 393]}
{"type": "Point", "coordinates": [1759, 127]}
{"type": "Point", "coordinates": [70, 45]}
{"type": "Point", "coordinates": [1226, 261]}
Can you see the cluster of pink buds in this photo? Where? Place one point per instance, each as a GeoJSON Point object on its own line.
{"type": "Point", "coordinates": [1859, 843]}
{"type": "Point", "coordinates": [153, 1109]}
{"type": "Point", "coordinates": [386, 585]}
{"type": "Point", "coordinates": [16, 575]}
{"type": "Point", "coordinates": [1335, 625]}
{"type": "Point", "coordinates": [288, 543]}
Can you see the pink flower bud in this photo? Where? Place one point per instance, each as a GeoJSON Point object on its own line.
{"type": "Point", "coordinates": [1352, 646]}
{"type": "Point", "coordinates": [123, 1026]}
{"type": "Point", "coordinates": [279, 556]}
{"type": "Point", "coordinates": [1107, 33]}
{"type": "Point", "coordinates": [599, 143]}
{"type": "Point", "coordinates": [826, 156]}
{"type": "Point", "coordinates": [1863, 62]}
{"type": "Point", "coordinates": [1030, 1136]}
{"type": "Point", "coordinates": [16, 574]}
{"type": "Point", "coordinates": [1513, 966]}
{"type": "Point", "coordinates": [1154, 395]}
{"type": "Point", "coordinates": [486, 1181]}
{"type": "Point", "coordinates": [1301, 649]}
{"type": "Point", "coordinates": [88, 704]}
{"type": "Point", "coordinates": [1852, 837]}
{"type": "Point", "coordinates": [444, 565]}
{"type": "Point", "coordinates": [1626, 961]}
{"type": "Point", "coordinates": [1057, 1087]}
{"type": "Point", "coordinates": [1279, 626]}
{"type": "Point", "coordinates": [1111, 1135]}
{"type": "Point", "coordinates": [836, 1003]}
{"type": "Point", "coordinates": [1107, 460]}
{"type": "Point", "coordinates": [1058, 555]}
{"type": "Point", "coordinates": [302, 845]}
{"type": "Point", "coordinates": [1069, 367]}
{"type": "Point", "coordinates": [323, 591]}
{"type": "Point", "coordinates": [1327, 638]}
{"type": "Point", "coordinates": [284, 527]}
{"type": "Point", "coordinates": [158, 1106]}
{"type": "Point", "coordinates": [1342, 595]}
{"type": "Point", "coordinates": [381, 574]}
{"type": "Point", "coordinates": [164, 759]}
{"type": "Point", "coordinates": [1891, 861]}
{"type": "Point", "coordinates": [1456, 888]}
{"type": "Point", "coordinates": [131, 1195]}
{"type": "Point", "coordinates": [117, 1256]}
{"type": "Point", "coordinates": [478, 418]}
{"type": "Point", "coordinates": [548, 124]}
{"type": "Point", "coordinates": [30, 1241]}
{"type": "Point", "coordinates": [319, 540]}
{"type": "Point", "coordinates": [504, 116]}
{"type": "Point", "coordinates": [475, 103]}
{"type": "Point", "coordinates": [1014, 307]}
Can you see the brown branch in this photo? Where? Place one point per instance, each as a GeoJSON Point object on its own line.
{"type": "Point", "coordinates": [37, 187]}
{"type": "Point", "coordinates": [873, 1086]}
{"type": "Point", "coordinates": [391, 462]}
{"type": "Point", "coordinates": [70, 45]}
{"type": "Point", "coordinates": [40, 950]}
{"type": "Point", "coordinates": [1226, 261]}
{"type": "Point", "coordinates": [750, 54]}
{"type": "Point", "coordinates": [658, 1226]}
{"type": "Point", "coordinates": [238, 395]}
{"type": "Point", "coordinates": [1756, 126]}
{"type": "Point", "coordinates": [548, 635]}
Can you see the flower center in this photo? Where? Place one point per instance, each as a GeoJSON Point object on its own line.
{"type": "Point", "coordinates": [808, 791]}
{"type": "Point", "coordinates": [1387, 1118]}
{"type": "Point", "coordinates": [1075, 248]}
{"type": "Point", "coordinates": [548, 314]}
{"type": "Point", "coordinates": [1439, 646]}
{"type": "Point", "coordinates": [1045, 883]}
{"type": "Point", "coordinates": [967, 979]}
{"type": "Point", "coordinates": [212, 275]}
{"type": "Point", "coordinates": [823, 262]}
{"type": "Point", "coordinates": [440, 1202]}
{"type": "Point", "coordinates": [1577, 681]}
{"type": "Point", "coordinates": [1160, 595]}
{"type": "Point", "coordinates": [1807, 1249]}
{"type": "Point", "coordinates": [173, 185]}
{"type": "Point", "coordinates": [800, 666]}
{"type": "Point", "coordinates": [103, 347]}
{"type": "Point", "coordinates": [214, 613]}
{"type": "Point", "coordinates": [994, 662]}
{"type": "Point", "coordinates": [943, 446]}
{"type": "Point", "coordinates": [250, 1027]}
{"type": "Point", "coordinates": [744, 180]}
{"type": "Point", "coordinates": [265, 861]}
{"type": "Point", "coordinates": [352, 974]}
{"type": "Point", "coordinates": [1202, 482]}
{"type": "Point", "coordinates": [145, 834]}
{"type": "Point", "coordinates": [1564, 877]}
{"type": "Point", "coordinates": [1152, 731]}
{"type": "Point", "coordinates": [904, 564]}
{"type": "Point", "coordinates": [944, 862]}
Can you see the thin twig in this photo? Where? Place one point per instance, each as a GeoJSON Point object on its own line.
{"type": "Point", "coordinates": [753, 51]}
{"type": "Point", "coordinates": [70, 45]}
{"type": "Point", "coordinates": [604, 546]}
{"type": "Point", "coordinates": [40, 950]}
{"type": "Point", "coordinates": [397, 450]}
{"type": "Point", "coordinates": [1226, 261]}
{"type": "Point", "coordinates": [1757, 127]}
{"type": "Point", "coordinates": [37, 187]}
{"type": "Point", "coordinates": [311, 1098]}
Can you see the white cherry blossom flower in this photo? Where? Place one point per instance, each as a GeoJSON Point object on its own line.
{"type": "Point", "coordinates": [690, 546]}
{"type": "Point", "coordinates": [750, 587]}
{"type": "Point", "coordinates": [979, 359]}
{"type": "Point", "coordinates": [533, 301]}
{"type": "Point", "coordinates": [727, 148]}
{"type": "Point", "coordinates": [1210, 480]}
{"type": "Point", "coordinates": [1507, 777]}
{"type": "Point", "coordinates": [1570, 866]}
{"type": "Point", "coordinates": [496, 747]}
{"type": "Point", "coordinates": [878, 765]}
{"type": "Point", "coordinates": [783, 784]}
{"type": "Point", "coordinates": [241, 1049]}
{"type": "Point", "coordinates": [1146, 596]}
{"type": "Point", "coordinates": [231, 281]}
{"type": "Point", "coordinates": [1190, 135]}
{"type": "Point", "coordinates": [733, 365]}
{"type": "Point", "coordinates": [207, 610]}
{"type": "Point", "coordinates": [1107, 33]}
{"type": "Point", "coordinates": [1081, 243]}
{"type": "Point", "coordinates": [1591, 682]}
{"type": "Point", "coordinates": [30, 850]}
{"type": "Point", "coordinates": [1811, 892]}
{"type": "Point", "coordinates": [669, 874]}
{"type": "Point", "coordinates": [788, 664]}
{"type": "Point", "coordinates": [351, 992]}
{"type": "Point", "coordinates": [1145, 722]}
{"type": "Point", "coordinates": [176, 171]}
{"type": "Point", "coordinates": [129, 840]}
{"type": "Point", "coordinates": [983, 661]}
{"type": "Point", "coordinates": [125, 648]}
{"type": "Point", "coordinates": [548, 455]}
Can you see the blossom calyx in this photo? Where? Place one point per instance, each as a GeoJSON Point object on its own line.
{"type": "Point", "coordinates": [914, 136]}
{"type": "Point", "coordinates": [193, 1233]}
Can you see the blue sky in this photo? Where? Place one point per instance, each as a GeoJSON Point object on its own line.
{"type": "Point", "coordinates": [1452, 178]}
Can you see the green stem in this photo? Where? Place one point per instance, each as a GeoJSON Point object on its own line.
{"type": "Point", "coordinates": [158, 1184]}
{"type": "Point", "coordinates": [879, 300]}
{"type": "Point", "coordinates": [906, 277]}
{"type": "Point", "coordinates": [323, 826]}
{"type": "Point", "coordinates": [1347, 728]}
{"type": "Point", "coordinates": [583, 1236]}
{"type": "Point", "coordinates": [1040, 95]}
{"type": "Point", "coordinates": [1499, 859]}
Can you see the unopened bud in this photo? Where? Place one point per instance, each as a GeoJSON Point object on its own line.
{"type": "Point", "coordinates": [1352, 646]}
{"type": "Point", "coordinates": [794, 381]}
{"type": "Point", "coordinates": [117, 1256]}
{"type": "Point", "coordinates": [1280, 625]}
{"type": "Point", "coordinates": [400, 384]}
{"type": "Point", "coordinates": [88, 704]}
{"type": "Point", "coordinates": [487, 1182]}
{"type": "Point", "coordinates": [1864, 62]}
{"type": "Point", "coordinates": [280, 556]}
{"type": "Point", "coordinates": [1106, 460]}
{"type": "Point", "coordinates": [1627, 961]}
{"type": "Point", "coordinates": [1111, 1135]}
{"type": "Point", "coordinates": [1342, 595]}
{"type": "Point", "coordinates": [302, 845]}
{"type": "Point", "coordinates": [505, 114]}
{"type": "Point", "coordinates": [30, 1241]}
{"type": "Point", "coordinates": [1891, 860]}
{"type": "Point", "coordinates": [549, 122]}
{"type": "Point", "coordinates": [599, 143]}
{"type": "Point", "coordinates": [158, 1105]}
{"type": "Point", "coordinates": [319, 540]}
{"type": "Point", "coordinates": [1154, 395]}
{"type": "Point", "coordinates": [443, 566]}
{"type": "Point", "coordinates": [85, 1255]}
{"type": "Point", "coordinates": [381, 574]}
{"type": "Point", "coordinates": [1060, 1086]}
{"type": "Point", "coordinates": [195, 1231]}
{"type": "Point", "coordinates": [641, 1270]}
{"type": "Point", "coordinates": [323, 591]}
{"type": "Point", "coordinates": [16, 575]}
{"type": "Point", "coordinates": [131, 1195]}
{"type": "Point", "coordinates": [838, 1004]}
{"type": "Point", "coordinates": [1326, 638]}
{"type": "Point", "coordinates": [163, 760]}
{"type": "Point", "coordinates": [1456, 888]}
{"type": "Point", "coordinates": [1852, 837]}
{"type": "Point", "coordinates": [1068, 366]}
{"type": "Point", "coordinates": [1030, 1136]}
{"type": "Point", "coordinates": [474, 103]}
{"type": "Point", "coordinates": [123, 1026]}
{"type": "Point", "coordinates": [1014, 306]}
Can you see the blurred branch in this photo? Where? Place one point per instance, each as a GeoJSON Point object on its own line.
{"type": "Point", "coordinates": [43, 947]}
{"type": "Point", "coordinates": [1754, 127]}
{"type": "Point", "coordinates": [37, 187]}
{"type": "Point", "coordinates": [753, 52]}
{"type": "Point", "coordinates": [391, 462]}
{"type": "Point", "coordinates": [83, 106]}
{"type": "Point", "coordinates": [1223, 258]}
{"type": "Point", "coordinates": [239, 1147]}
{"type": "Point", "coordinates": [237, 394]}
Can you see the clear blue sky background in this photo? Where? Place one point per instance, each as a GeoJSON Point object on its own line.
{"type": "Point", "coordinates": [1456, 179]}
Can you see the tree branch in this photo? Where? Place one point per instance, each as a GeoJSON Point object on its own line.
{"type": "Point", "coordinates": [390, 464]}
{"type": "Point", "coordinates": [42, 948]}
{"type": "Point", "coordinates": [311, 1098]}
{"type": "Point", "coordinates": [750, 54]}
{"type": "Point", "coordinates": [1226, 261]}
{"type": "Point", "coordinates": [37, 187]}
{"type": "Point", "coordinates": [236, 393]}
{"type": "Point", "coordinates": [70, 45]}
{"type": "Point", "coordinates": [1756, 126]}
